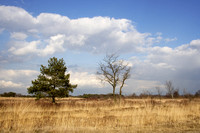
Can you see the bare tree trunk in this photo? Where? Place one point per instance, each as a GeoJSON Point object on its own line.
{"type": "Point", "coordinates": [170, 88]}
{"type": "Point", "coordinates": [120, 91]}
{"type": "Point", "coordinates": [120, 95]}
{"type": "Point", "coordinates": [114, 96]}
{"type": "Point", "coordinates": [125, 76]}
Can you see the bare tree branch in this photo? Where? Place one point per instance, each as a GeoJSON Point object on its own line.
{"type": "Point", "coordinates": [114, 71]}
{"type": "Point", "coordinates": [170, 88]}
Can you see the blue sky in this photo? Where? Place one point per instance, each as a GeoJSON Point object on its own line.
{"type": "Point", "coordinates": [171, 17]}
{"type": "Point", "coordinates": [160, 38]}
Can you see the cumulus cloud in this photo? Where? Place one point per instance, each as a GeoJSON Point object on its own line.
{"type": "Point", "coordinates": [195, 44]}
{"type": "Point", "coordinates": [16, 80]}
{"type": "Point", "coordinates": [18, 75]}
{"type": "Point", "coordinates": [16, 19]}
{"type": "Point", "coordinates": [18, 35]}
{"type": "Point", "coordinates": [181, 56]}
{"type": "Point", "coordinates": [84, 79]}
{"type": "Point", "coordinates": [23, 47]}
{"type": "Point", "coordinates": [47, 34]}
{"type": "Point", "coordinates": [180, 64]}
{"type": "Point", "coordinates": [55, 43]}
{"type": "Point", "coordinates": [97, 34]}
{"type": "Point", "coordinates": [10, 84]}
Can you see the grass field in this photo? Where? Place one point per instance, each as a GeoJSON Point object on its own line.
{"type": "Point", "coordinates": [76, 115]}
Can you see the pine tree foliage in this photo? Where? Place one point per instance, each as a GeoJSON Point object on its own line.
{"type": "Point", "coordinates": [52, 81]}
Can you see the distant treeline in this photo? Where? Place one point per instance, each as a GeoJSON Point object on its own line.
{"type": "Point", "coordinates": [13, 94]}
{"type": "Point", "coordinates": [142, 95]}
{"type": "Point", "coordinates": [110, 95]}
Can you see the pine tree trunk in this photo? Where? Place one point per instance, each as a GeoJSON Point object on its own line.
{"type": "Point", "coordinates": [53, 99]}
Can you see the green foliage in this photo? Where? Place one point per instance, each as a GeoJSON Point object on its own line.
{"type": "Point", "coordinates": [52, 81]}
{"type": "Point", "coordinates": [8, 94]}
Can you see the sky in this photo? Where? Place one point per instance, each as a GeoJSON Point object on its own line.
{"type": "Point", "coordinates": [160, 39]}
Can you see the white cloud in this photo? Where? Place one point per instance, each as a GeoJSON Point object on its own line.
{"type": "Point", "coordinates": [51, 24]}
{"type": "Point", "coordinates": [76, 40]}
{"type": "Point", "coordinates": [55, 44]}
{"type": "Point", "coordinates": [23, 47]}
{"type": "Point", "coordinates": [195, 44]}
{"type": "Point", "coordinates": [84, 79]}
{"type": "Point", "coordinates": [165, 65]}
{"type": "Point", "coordinates": [9, 84]}
{"type": "Point", "coordinates": [97, 34]}
{"type": "Point", "coordinates": [52, 45]}
{"type": "Point", "coordinates": [180, 64]}
{"type": "Point", "coordinates": [180, 57]}
{"type": "Point", "coordinates": [15, 19]}
{"type": "Point", "coordinates": [16, 79]}
{"type": "Point", "coordinates": [170, 39]}
{"type": "Point", "coordinates": [17, 75]}
{"type": "Point", "coordinates": [18, 35]}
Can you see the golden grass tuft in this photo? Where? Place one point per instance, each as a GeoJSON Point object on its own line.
{"type": "Point", "coordinates": [101, 115]}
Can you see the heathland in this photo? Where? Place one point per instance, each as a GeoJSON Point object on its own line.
{"type": "Point", "coordinates": [79, 115]}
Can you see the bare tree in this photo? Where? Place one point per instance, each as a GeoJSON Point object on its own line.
{"type": "Point", "coordinates": [113, 71]}
{"type": "Point", "coordinates": [170, 88]}
{"type": "Point", "coordinates": [185, 93]}
{"type": "Point", "coordinates": [158, 89]}
{"type": "Point", "coordinates": [145, 93]}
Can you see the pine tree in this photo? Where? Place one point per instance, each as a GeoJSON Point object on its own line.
{"type": "Point", "coordinates": [52, 81]}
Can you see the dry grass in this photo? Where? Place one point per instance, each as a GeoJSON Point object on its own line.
{"type": "Point", "coordinates": [82, 115]}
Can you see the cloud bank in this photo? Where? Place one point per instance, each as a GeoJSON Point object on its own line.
{"type": "Point", "coordinates": [53, 33]}
{"type": "Point", "coordinates": [48, 34]}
